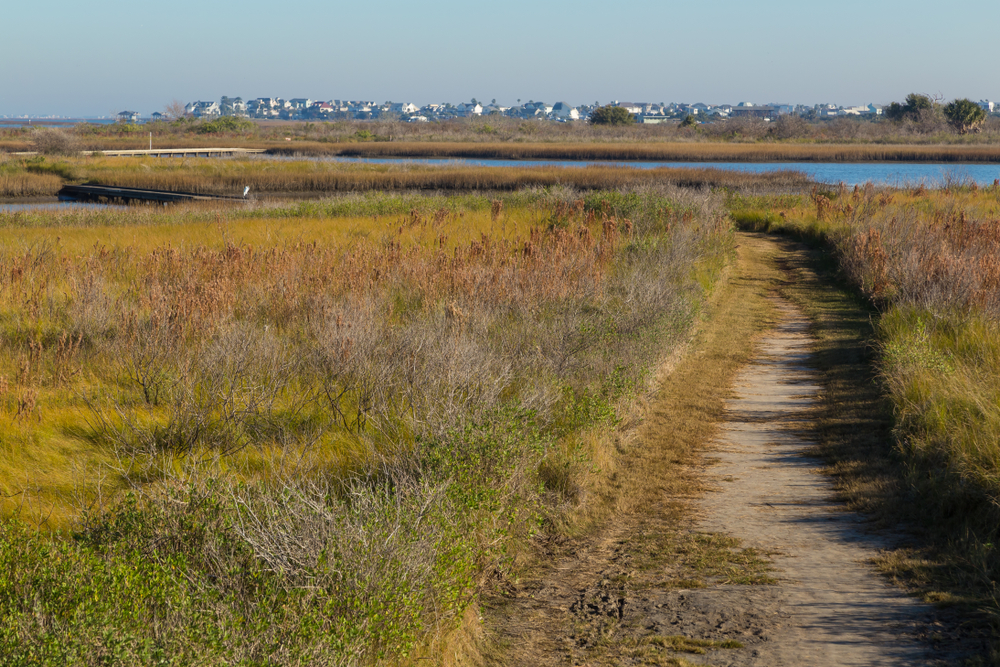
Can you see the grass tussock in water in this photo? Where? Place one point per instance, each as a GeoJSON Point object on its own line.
{"type": "Point", "coordinates": [230, 177]}
{"type": "Point", "coordinates": [311, 434]}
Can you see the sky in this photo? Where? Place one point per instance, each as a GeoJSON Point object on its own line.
{"type": "Point", "coordinates": [69, 58]}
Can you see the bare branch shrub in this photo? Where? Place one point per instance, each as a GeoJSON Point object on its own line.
{"type": "Point", "coordinates": [54, 141]}
{"type": "Point", "coordinates": [223, 395]}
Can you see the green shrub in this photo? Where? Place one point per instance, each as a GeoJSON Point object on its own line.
{"type": "Point", "coordinates": [230, 124]}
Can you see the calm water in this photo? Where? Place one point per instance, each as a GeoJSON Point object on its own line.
{"type": "Point", "coordinates": [851, 173]}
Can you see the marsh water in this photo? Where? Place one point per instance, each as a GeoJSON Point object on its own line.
{"type": "Point", "coordinates": [850, 173]}
{"type": "Point", "coordinates": [900, 174]}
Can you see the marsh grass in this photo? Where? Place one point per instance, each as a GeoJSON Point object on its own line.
{"type": "Point", "coordinates": [303, 434]}
{"type": "Point", "coordinates": [933, 137]}
{"type": "Point", "coordinates": [665, 151]}
{"type": "Point", "coordinates": [231, 176]}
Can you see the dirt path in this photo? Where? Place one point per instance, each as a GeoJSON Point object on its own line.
{"type": "Point", "coordinates": [744, 561]}
{"type": "Point", "coordinates": [828, 607]}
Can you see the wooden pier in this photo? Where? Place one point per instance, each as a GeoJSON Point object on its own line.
{"type": "Point", "coordinates": [184, 152]}
{"type": "Point", "coordinates": [168, 152]}
{"type": "Point", "coordinates": [111, 193]}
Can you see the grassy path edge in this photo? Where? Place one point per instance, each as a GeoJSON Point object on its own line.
{"type": "Point", "coordinates": [854, 432]}
{"type": "Point", "coordinates": [658, 472]}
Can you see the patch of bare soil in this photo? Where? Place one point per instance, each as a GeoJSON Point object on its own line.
{"type": "Point", "coordinates": [764, 568]}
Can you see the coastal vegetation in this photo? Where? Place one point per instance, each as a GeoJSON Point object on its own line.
{"type": "Point", "coordinates": [311, 433]}
{"type": "Point", "coordinates": [915, 135]}
{"type": "Point", "coordinates": [42, 175]}
{"type": "Point", "coordinates": [316, 431]}
{"type": "Point", "coordinates": [611, 115]}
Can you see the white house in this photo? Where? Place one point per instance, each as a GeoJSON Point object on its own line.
{"type": "Point", "coordinates": [403, 108]}
{"type": "Point", "coordinates": [565, 111]}
{"type": "Point", "coordinates": [470, 109]}
{"type": "Point", "coordinates": [263, 107]}
{"type": "Point", "coordinates": [631, 107]}
{"type": "Point", "coordinates": [203, 109]}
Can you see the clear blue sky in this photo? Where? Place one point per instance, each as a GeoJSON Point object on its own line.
{"type": "Point", "coordinates": [87, 59]}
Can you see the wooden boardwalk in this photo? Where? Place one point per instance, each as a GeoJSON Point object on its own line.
{"type": "Point", "coordinates": [184, 152]}
{"type": "Point", "coordinates": [169, 152]}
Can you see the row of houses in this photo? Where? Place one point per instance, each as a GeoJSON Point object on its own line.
{"type": "Point", "coordinates": [301, 108]}
{"type": "Point", "coordinates": [305, 109]}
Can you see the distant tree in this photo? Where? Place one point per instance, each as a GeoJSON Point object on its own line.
{"type": "Point", "coordinates": [964, 115]}
{"type": "Point", "coordinates": [689, 121]}
{"type": "Point", "coordinates": [915, 106]}
{"type": "Point", "coordinates": [788, 126]}
{"type": "Point", "coordinates": [174, 110]}
{"type": "Point", "coordinates": [611, 115]}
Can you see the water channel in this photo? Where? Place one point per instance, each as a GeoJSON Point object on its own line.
{"type": "Point", "coordinates": [850, 173]}
{"type": "Point", "coordinates": [899, 174]}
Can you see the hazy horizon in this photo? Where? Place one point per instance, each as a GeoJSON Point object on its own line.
{"type": "Point", "coordinates": [78, 62]}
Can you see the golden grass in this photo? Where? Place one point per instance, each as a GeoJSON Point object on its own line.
{"type": "Point", "coordinates": [446, 230]}
{"type": "Point", "coordinates": [67, 291]}
{"type": "Point", "coordinates": [656, 151]}
{"type": "Point", "coordinates": [311, 176]}
{"type": "Point", "coordinates": [29, 185]}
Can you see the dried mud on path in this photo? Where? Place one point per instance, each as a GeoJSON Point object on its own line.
{"type": "Point", "coordinates": [755, 564]}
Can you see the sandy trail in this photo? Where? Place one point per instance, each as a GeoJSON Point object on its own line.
{"type": "Point", "coordinates": [668, 570]}
{"type": "Point", "coordinates": [831, 608]}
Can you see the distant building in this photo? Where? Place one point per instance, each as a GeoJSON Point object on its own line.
{"type": "Point", "coordinates": [470, 109]}
{"type": "Point", "coordinates": [203, 109]}
{"type": "Point", "coordinates": [565, 111]}
{"type": "Point", "coordinates": [403, 108]}
{"type": "Point", "coordinates": [127, 117]}
{"type": "Point", "coordinates": [753, 112]}
{"type": "Point", "coordinates": [631, 107]}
